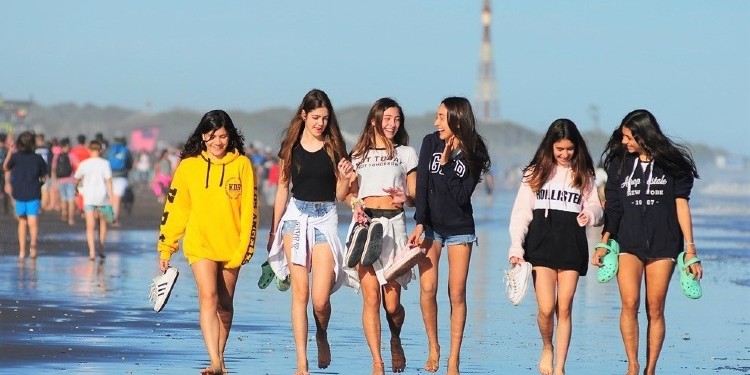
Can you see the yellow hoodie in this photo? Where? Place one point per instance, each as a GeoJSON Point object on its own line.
{"type": "Point", "coordinates": [214, 204]}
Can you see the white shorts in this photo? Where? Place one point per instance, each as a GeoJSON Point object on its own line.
{"type": "Point", "coordinates": [119, 184]}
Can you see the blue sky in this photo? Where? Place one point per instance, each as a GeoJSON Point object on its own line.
{"type": "Point", "coordinates": [686, 61]}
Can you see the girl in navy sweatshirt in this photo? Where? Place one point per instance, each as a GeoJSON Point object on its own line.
{"type": "Point", "coordinates": [649, 179]}
{"type": "Point", "coordinates": [451, 162]}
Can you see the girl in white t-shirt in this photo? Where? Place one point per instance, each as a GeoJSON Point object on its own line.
{"type": "Point", "coordinates": [94, 181]}
{"type": "Point", "coordinates": [377, 252]}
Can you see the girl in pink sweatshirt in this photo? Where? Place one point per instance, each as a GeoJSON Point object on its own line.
{"type": "Point", "coordinates": [555, 202]}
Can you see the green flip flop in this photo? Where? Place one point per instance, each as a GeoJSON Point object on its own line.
{"type": "Point", "coordinates": [691, 287]}
{"type": "Point", "coordinates": [608, 270]}
{"type": "Point", "coordinates": [266, 275]}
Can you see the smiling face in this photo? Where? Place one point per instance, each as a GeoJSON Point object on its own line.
{"type": "Point", "coordinates": [629, 141]}
{"type": "Point", "coordinates": [391, 122]}
{"type": "Point", "coordinates": [563, 151]}
{"type": "Point", "coordinates": [441, 123]}
{"type": "Point", "coordinates": [316, 121]}
{"type": "Point", "coordinates": [216, 142]}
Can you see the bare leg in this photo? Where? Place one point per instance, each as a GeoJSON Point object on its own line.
{"type": "Point", "coordinates": [22, 228]}
{"type": "Point", "coordinates": [371, 315]}
{"type": "Point", "coordinates": [458, 272]}
{"type": "Point", "coordinates": [629, 278]}
{"type": "Point", "coordinates": [545, 285]}
{"type": "Point", "coordinates": [300, 286]}
{"type": "Point", "coordinates": [206, 274]}
{"type": "Point", "coordinates": [33, 222]}
{"type": "Point", "coordinates": [395, 315]}
{"type": "Point", "coordinates": [226, 283]}
{"type": "Point", "coordinates": [90, 227]}
{"type": "Point", "coordinates": [567, 281]}
{"type": "Point", "coordinates": [658, 274]}
{"type": "Point", "coordinates": [102, 234]}
{"type": "Point", "coordinates": [428, 279]}
{"type": "Point", "coordinates": [323, 278]}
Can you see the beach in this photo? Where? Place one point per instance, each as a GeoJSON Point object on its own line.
{"type": "Point", "coordinates": [62, 313]}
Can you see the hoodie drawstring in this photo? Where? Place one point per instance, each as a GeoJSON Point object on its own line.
{"type": "Point", "coordinates": [208, 171]}
{"type": "Point", "coordinates": [221, 181]}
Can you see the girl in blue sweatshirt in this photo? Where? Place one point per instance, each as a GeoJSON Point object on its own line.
{"type": "Point", "coordinates": [451, 162]}
{"type": "Point", "coordinates": [649, 179]}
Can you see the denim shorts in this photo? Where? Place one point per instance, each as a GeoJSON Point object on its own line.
{"type": "Point", "coordinates": [311, 209]}
{"type": "Point", "coordinates": [456, 239]}
{"type": "Point", "coordinates": [27, 208]}
{"type": "Point", "coordinates": [67, 191]}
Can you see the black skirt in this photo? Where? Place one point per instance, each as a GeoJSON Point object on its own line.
{"type": "Point", "coordinates": [557, 241]}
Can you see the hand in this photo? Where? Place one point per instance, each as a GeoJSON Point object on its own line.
{"type": "Point", "coordinates": [583, 219]}
{"type": "Point", "coordinates": [448, 150]}
{"type": "Point", "coordinates": [360, 216]}
{"type": "Point", "coordinates": [415, 238]}
{"type": "Point", "coordinates": [345, 168]}
{"type": "Point", "coordinates": [515, 260]}
{"type": "Point", "coordinates": [599, 253]}
{"type": "Point", "coordinates": [397, 194]}
{"type": "Point", "coordinates": [163, 264]}
{"type": "Point", "coordinates": [696, 269]}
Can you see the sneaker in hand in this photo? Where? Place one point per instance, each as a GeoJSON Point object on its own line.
{"type": "Point", "coordinates": [517, 280]}
{"type": "Point", "coordinates": [162, 287]}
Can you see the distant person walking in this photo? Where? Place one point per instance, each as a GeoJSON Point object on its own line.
{"type": "Point", "coordinates": [62, 174]}
{"type": "Point", "coordinates": [213, 204]}
{"type": "Point", "coordinates": [554, 204]}
{"type": "Point", "coordinates": [385, 180]}
{"type": "Point", "coordinates": [162, 176]}
{"type": "Point", "coordinates": [451, 163]}
{"type": "Point", "coordinates": [27, 172]}
{"type": "Point", "coordinates": [94, 181]}
{"type": "Point", "coordinates": [121, 161]}
{"type": "Point", "coordinates": [304, 234]}
{"type": "Point", "coordinates": [649, 180]}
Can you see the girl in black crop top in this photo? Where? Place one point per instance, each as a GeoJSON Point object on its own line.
{"type": "Point", "coordinates": [313, 160]}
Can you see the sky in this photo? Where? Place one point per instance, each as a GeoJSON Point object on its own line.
{"type": "Point", "coordinates": [686, 61]}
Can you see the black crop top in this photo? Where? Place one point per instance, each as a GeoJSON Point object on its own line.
{"type": "Point", "coordinates": [313, 176]}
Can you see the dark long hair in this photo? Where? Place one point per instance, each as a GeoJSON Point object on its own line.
{"type": "Point", "coordinates": [463, 125]}
{"type": "Point", "coordinates": [541, 166]}
{"type": "Point", "coordinates": [672, 157]}
{"type": "Point", "coordinates": [210, 123]}
{"type": "Point", "coordinates": [334, 142]}
{"type": "Point", "coordinates": [374, 128]}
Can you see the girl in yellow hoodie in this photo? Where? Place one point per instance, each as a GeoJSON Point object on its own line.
{"type": "Point", "coordinates": [212, 203]}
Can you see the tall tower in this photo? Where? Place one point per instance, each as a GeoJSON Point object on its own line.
{"type": "Point", "coordinates": [487, 98]}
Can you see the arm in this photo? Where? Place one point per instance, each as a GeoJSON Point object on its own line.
{"type": "Point", "coordinates": [7, 166]}
{"type": "Point", "coordinates": [520, 217]}
{"type": "Point", "coordinates": [460, 186]}
{"type": "Point", "coordinates": [279, 204]}
{"type": "Point", "coordinates": [174, 219]}
{"type": "Point", "coordinates": [248, 217]}
{"type": "Point", "coordinates": [591, 212]}
{"type": "Point", "coordinates": [343, 179]}
{"type": "Point", "coordinates": [612, 213]}
{"type": "Point", "coordinates": [422, 212]}
{"type": "Point", "coordinates": [411, 188]}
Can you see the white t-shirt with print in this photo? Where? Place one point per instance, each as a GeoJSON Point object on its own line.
{"type": "Point", "coordinates": [93, 173]}
{"type": "Point", "coordinates": [376, 172]}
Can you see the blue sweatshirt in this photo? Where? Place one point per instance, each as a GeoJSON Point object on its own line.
{"type": "Point", "coordinates": [640, 210]}
{"type": "Point", "coordinates": [443, 200]}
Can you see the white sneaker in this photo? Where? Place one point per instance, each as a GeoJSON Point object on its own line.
{"type": "Point", "coordinates": [161, 288]}
{"type": "Point", "coordinates": [517, 280]}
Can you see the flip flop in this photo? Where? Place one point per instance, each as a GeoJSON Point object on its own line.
{"type": "Point", "coordinates": [266, 275]}
{"type": "Point", "coordinates": [608, 270]}
{"type": "Point", "coordinates": [691, 287]}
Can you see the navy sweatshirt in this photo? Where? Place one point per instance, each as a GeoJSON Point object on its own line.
{"type": "Point", "coordinates": [641, 213]}
{"type": "Point", "coordinates": [443, 200]}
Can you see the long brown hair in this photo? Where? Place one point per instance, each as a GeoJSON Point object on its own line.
{"type": "Point", "coordinates": [374, 128]}
{"type": "Point", "coordinates": [462, 124]}
{"type": "Point", "coordinates": [334, 144]}
{"type": "Point", "coordinates": [541, 166]}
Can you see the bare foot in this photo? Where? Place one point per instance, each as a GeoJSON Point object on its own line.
{"type": "Point", "coordinates": [324, 350]}
{"type": "Point", "coordinates": [545, 361]}
{"type": "Point", "coordinates": [398, 359]}
{"type": "Point", "coordinates": [633, 369]}
{"type": "Point", "coordinates": [453, 366]}
{"type": "Point", "coordinates": [211, 371]}
{"type": "Point", "coordinates": [32, 251]}
{"type": "Point", "coordinates": [433, 360]}
{"type": "Point", "coordinates": [300, 372]}
{"type": "Point", "coordinates": [378, 368]}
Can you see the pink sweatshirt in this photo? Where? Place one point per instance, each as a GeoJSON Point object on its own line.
{"type": "Point", "coordinates": [556, 194]}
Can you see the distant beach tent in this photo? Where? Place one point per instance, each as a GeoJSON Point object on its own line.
{"type": "Point", "coordinates": [144, 139]}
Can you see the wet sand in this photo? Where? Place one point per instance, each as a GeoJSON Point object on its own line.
{"type": "Point", "coordinates": [62, 313]}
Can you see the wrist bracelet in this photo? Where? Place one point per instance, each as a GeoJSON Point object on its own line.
{"type": "Point", "coordinates": [356, 201]}
{"type": "Point", "coordinates": [689, 243]}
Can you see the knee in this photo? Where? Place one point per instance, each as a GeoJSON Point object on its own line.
{"type": "Point", "coordinates": [545, 314]}
{"type": "Point", "coordinates": [457, 297]}
{"type": "Point", "coordinates": [655, 311]}
{"type": "Point", "coordinates": [428, 289]}
{"type": "Point", "coordinates": [321, 306]}
{"type": "Point", "coordinates": [631, 304]}
{"type": "Point", "coordinates": [371, 301]}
